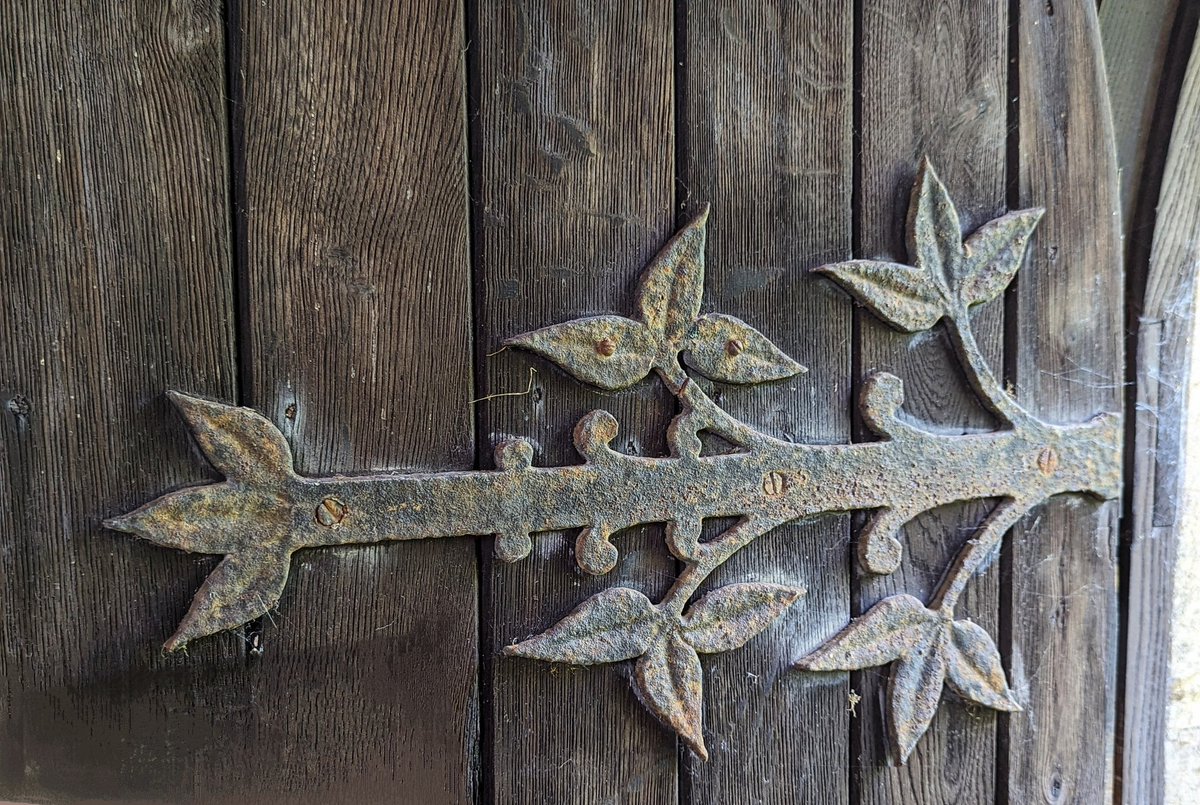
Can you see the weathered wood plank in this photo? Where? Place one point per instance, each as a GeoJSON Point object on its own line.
{"type": "Point", "coordinates": [1069, 367]}
{"type": "Point", "coordinates": [575, 194]}
{"type": "Point", "coordinates": [115, 284]}
{"type": "Point", "coordinates": [1136, 35]}
{"type": "Point", "coordinates": [768, 134]}
{"type": "Point", "coordinates": [934, 83]}
{"type": "Point", "coordinates": [357, 311]}
{"type": "Point", "coordinates": [1163, 360]}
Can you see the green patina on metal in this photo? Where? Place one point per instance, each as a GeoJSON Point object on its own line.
{"type": "Point", "coordinates": [264, 511]}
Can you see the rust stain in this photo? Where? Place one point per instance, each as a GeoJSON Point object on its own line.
{"type": "Point", "coordinates": [263, 511]}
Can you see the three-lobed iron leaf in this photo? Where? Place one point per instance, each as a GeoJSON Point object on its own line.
{"type": "Point", "coordinates": [948, 276]}
{"type": "Point", "coordinates": [249, 517]}
{"type": "Point", "coordinates": [928, 650]}
{"type": "Point", "coordinates": [614, 352]}
{"type": "Point", "coordinates": [621, 624]}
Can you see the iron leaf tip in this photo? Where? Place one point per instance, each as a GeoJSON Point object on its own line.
{"type": "Point", "coordinates": [123, 523]}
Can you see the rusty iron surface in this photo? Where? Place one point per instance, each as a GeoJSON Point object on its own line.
{"type": "Point", "coordinates": [263, 511]}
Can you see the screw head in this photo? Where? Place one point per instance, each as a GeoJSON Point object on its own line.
{"type": "Point", "coordinates": [330, 512]}
{"type": "Point", "coordinates": [606, 346]}
{"type": "Point", "coordinates": [734, 347]}
{"type": "Point", "coordinates": [774, 484]}
{"type": "Point", "coordinates": [1047, 461]}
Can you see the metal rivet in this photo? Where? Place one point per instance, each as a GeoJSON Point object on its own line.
{"type": "Point", "coordinates": [330, 512]}
{"type": "Point", "coordinates": [774, 484]}
{"type": "Point", "coordinates": [606, 347]}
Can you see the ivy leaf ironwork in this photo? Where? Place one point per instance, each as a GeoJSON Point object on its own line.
{"type": "Point", "coordinates": [928, 649]}
{"type": "Point", "coordinates": [903, 296]}
{"type": "Point", "coordinates": [617, 624]}
{"type": "Point", "coordinates": [934, 233]}
{"type": "Point", "coordinates": [614, 352]}
{"type": "Point", "coordinates": [669, 682]}
{"type": "Point", "coordinates": [974, 668]}
{"type": "Point", "coordinates": [879, 636]}
{"type": "Point", "coordinates": [672, 285]}
{"type": "Point", "coordinates": [263, 511]}
{"type": "Point", "coordinates": [728, 617]}
{"type": "Point", "coordinates": [994, 253]}
{"type": "Point", "coordinates": [948, 276]}
{"type": "Point", "coordinates": [250, 517]}
{"type": "Point", "coordinates": [726, 349]}
{"type": "Point", "coordinates": [611, 352]}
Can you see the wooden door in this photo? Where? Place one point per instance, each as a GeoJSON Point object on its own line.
{"type": "Point", "coordinates": [336, 214]}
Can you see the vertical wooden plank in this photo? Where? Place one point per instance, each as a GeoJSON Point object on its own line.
{"type": "Point", "coordinates": [1136, 36]}
{"type": "Point", "coordinates": [934, 83]}
{"type": "Point", "coordinates": [1069, 367]}
{"type": "Point", "coordinates": [769, 113]}
{"type": "Point", "coordinates": [576, 194]}
{"type": "Point", "coordinates": [115, 284]}
{"type": "Point", "coordinates": [358, 319]}
{"type": "Point", "coordinates": [1163, 359]}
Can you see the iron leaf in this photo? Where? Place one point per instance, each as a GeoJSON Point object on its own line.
{"type": "Point", "coordinates": [726, 349]}
{"type": "Point", "coordinates": [887, 631]}
{"type": "Point", "coordinates": [670, 683]}
{"type": "Point", "coordinates": [207, 519]}
{"type": "Point", "coordinates": [974, 669]}
{"type": "Point", "coordinates": [728, 617]}
{"type": "Point", "coordinates": [240, 443]}
{"type": "Point", "coordinates": [902, 296]}
{"type": "Point", "coordinates": [994, 253]}
{"type": "Point", "coordinates": [672, 285]}
{"type": "Point", "coordinates": [934, 232]}
{"type": "Point", "coordinates": [611, 352]}
{"type": "Point", "coordinates": [617, 624]}
{"type": "Point", "coordinates": [243, 586]}
{"type": "Point", "coordinates": [914, 691]}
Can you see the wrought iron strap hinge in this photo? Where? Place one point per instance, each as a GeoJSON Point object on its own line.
{"type": "Point", "coordinates": [263, 511]}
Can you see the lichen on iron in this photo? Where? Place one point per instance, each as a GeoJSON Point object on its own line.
{"type": "Point", "coordinates": [264, 511]}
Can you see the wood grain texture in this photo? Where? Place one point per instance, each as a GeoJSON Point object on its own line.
{"type": "Point", "coordinates": [1068, 367]}
{"type": "Point", "coordinates": [357, 312]}
{"type": "Point", "coordinates": [115, 285]}
{"type": "Point", "coordinates": [1163, 359]}
{"type": "Point", "coordinates": [934, 79]}
{"type": "Point", "coordinates": [576, 194]}
{"type": "Point", "coordinates": [1136, 35]}
{"type": "Point", "coordinates": [768, 125]}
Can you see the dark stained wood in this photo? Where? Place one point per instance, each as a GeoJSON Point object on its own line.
{"type": "Point", "coordinates": [934, 83]}
{"type": "Point", "coordinates": [115, 284]}
{"type": "Point", "coordinates": [576, 194]}
{"type": "Point", "coordinates": [769, 113]}
{"type": "Point", "coordinates": [1163, 358]}
{"type": "Point", "coordinates": [1068, 367]}
{"type": "Point", "coordinates": [367, 320]}
{"type": "Point", "coordinates": [358, 326]}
